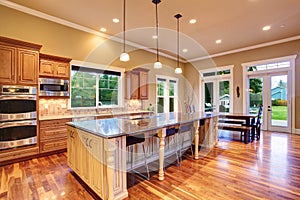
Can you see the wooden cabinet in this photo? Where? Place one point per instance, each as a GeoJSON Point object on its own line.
{"type": "Point", "coordinates": [137, 84]}
{"type": "Point", "coordinates": [18, 62]}
{"type": "Point", "coordinates": [8, 156]}
{"type": "Point", "coordinates": [53, 135]}
{"type": "Point", "coordinates": [99, 162]}
{"type": "Point", "coordinates": [54, 66]}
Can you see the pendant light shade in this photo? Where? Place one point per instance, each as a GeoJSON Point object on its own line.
{"type": "Point", "coordinates": [157, 64]}
{"type": "Point", "coordinates": [178, 69]}
{"type": "Point", "coordinates": [124, 57]}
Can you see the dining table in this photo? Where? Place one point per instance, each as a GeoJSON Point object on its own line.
{"type": "Point", "coordinates": [237, 122]}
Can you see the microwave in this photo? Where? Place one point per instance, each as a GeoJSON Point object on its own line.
{"type": "Point", "coordinates": [53, 87]}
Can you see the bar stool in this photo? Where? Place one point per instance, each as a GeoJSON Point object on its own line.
{"type": "Point", "coordinates": [131, 141]}
{"type": "Point", "coordinates": [188, 128]}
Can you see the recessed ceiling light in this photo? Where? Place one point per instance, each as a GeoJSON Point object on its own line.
{"type": "Point", "coordinates": [282, 25]}
{"type": "Point", "coordinates": [185, 50]}
{"type": "Point", "coordinates": [103, 29]}
{"type": "Point", "coordinates": [266, 28]}
{"type": "Point", "coordinates": [154, 37]}
{"type": "Point", "coordinates": [218, 41]}
{"type": "Point", "coordinates": [116, 20]}
{"type": "Point", "coordinates": [193, 21]}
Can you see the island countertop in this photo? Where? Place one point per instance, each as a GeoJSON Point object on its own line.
{"type": "Point", "coordinates": [116, 127]}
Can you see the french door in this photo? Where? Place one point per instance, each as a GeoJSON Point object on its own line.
{"type": "Point", "coordinates": [273, 91]}
{"type": "Point", "coordinates": [217, 95]}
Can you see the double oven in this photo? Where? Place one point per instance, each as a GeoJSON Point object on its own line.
{"type": "Point", "coordinates": [18, 123]}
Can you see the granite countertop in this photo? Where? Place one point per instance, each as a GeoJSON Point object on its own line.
{"type": "Point", "coordinates": [92, 115]}
{"type": "Point", "coordinates": [116, 127]}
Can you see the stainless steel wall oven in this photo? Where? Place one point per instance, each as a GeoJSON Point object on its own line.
{"type": "Point", "coordinates": [18, 125]}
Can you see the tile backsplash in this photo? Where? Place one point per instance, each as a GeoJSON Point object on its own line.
{"type": "Point", "coordinates": [55, 106]}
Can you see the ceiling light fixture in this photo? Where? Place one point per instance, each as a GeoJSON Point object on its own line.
{"type": "Point", "coordinates": [157, 64]}
{"type": "Point", "coordinates": [154, 37]}
{"type": "Point", "coordinates": [185, 50]}
{"type": "Point", "coordinates": [266, 28]}
{"type": "Point", "coordinates": [218, 41]}
{"type": "Point", "coordinates": [103, 29]}
{"type": "Point", "coordinates": [193, 21]}
{"type": "Point", "coordinates": [116, 20]}
{"type": "Point", "coordinates": [178, 69]}
{"type": "Point", "coordinates": [124, 56]}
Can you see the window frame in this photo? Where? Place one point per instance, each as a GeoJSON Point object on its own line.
{"type": "Point", "coordinates": [121, 83]}
{"type": "Point", "coordinates": [217, 78]}
{"type": "Point", "coordinates": [167, 93]}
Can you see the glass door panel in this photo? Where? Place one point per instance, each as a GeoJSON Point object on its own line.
{"type": "Point", "coordinates": [209, 97]}
{"type": "Point", "coordinates": [224, 96]}
{"type": "Point", "coordinates": [279, 101]}
{"type": "Point", "coordinates": [255, 94]}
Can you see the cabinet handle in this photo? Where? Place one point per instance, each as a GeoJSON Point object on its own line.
{"type": "Point", "coordinates": [90, 143]}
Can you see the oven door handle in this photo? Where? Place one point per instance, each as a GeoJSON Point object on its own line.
{"type": "Point", "coordinates": [17, 97]}
{"type": "Point", "coordinates": [17, 123]}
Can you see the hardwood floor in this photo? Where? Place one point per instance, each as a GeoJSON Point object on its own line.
{"type": "Point", "coordinates": [268, 169]}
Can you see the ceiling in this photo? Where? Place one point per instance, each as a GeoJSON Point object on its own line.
{"type": "Point", "coordinates": [238, 23]}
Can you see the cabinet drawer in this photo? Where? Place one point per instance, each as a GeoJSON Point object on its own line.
{"type": "Point", "coordinates": [20, 153]}
{"type": "Point", "coordinates": [53, 145]}
{"type": "Point", "coordinates": [55, 133]}
{"type": "Point", "coordinates": [54, 123]}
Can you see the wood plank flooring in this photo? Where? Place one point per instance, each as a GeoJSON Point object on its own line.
{"type": "Point", "coordinates": [267, 169]}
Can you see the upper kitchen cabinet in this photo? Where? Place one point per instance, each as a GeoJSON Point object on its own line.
{"type": "Point", "coordinates": [137, 84]}
{"type": "Point", "coordinates": [54, 66]}
{"type": "Point", "coordinates": [18, 62]}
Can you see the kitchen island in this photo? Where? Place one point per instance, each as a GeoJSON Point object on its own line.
{"type": "Point", "coordinates": [97, 148]}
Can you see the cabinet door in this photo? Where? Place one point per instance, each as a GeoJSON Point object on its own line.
{"type": "Point", "coordinates": [27, 66]}
{"type": "Point", "coordinates": [72, 147]}
{"type": "Point", "coordinates": [46, 68]}
{"type": "Point", "coordinates": [62, 70]}
{"type": "Point", "coordinates": [143, 85]}
{"type": "Point", "coordinates": [7, 64]}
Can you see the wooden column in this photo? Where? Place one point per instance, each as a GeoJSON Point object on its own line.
{"type": "Point", "coordinates": [161, 135]}
{"type": "Point", "coordinates": [110, 147]}
{"type": "Point", "coordinates": [196, 140]}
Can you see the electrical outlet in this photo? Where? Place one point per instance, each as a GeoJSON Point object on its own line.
{"type": "Point", "coordinates": [63, 105]}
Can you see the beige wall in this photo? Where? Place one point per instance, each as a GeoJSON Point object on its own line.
{"type": "Point", "coordinates": [64, 41]}
{"type": "Point", "coordinates": [280, 50]}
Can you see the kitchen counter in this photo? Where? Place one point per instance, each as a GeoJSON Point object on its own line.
{"type": "Point", "coordinates": [98, 115]}
{"type": "Point", "coordinates": [97, 148]}
{"type": "Point", "coordinates": [116, 127]}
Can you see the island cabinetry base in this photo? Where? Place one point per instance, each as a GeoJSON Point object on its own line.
{"type": "Point", "coordinates": [99, 162]}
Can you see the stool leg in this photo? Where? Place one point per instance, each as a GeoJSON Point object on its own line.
{"type": "Point", "coordinates": [146, 163]}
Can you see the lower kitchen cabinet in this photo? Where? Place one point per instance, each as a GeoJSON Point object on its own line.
{"type": "Point", "coordinates": [53, 135]}
{"type": "Point", "coordinates": [18, 153]}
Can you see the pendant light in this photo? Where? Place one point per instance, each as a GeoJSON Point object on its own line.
{"type": "Point", "coordinates": [178, 69]}
{"type": "Point", "coordinates": [157, 64]}
{"type": "Point", "coordinates": [124, 56]}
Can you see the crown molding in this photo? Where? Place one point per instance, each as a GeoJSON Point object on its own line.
{"type": "Point", "coordinates": [246, 48]}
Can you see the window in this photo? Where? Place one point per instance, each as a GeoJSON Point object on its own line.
{"type": "Point", "coordinates": [263, 67]}
{"type": "Point", "coordinates": [166, 94]}
{"type": "Point", "coordinates": [92, 87]}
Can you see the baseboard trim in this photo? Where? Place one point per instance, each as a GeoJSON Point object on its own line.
{"type": "Point", "coordinates": [297, 131]}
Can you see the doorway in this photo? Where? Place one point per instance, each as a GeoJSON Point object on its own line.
{"type": "Point", "coordinates": [271, 83]}
{"type": "Point", "coordinates": [216, 89]}
{"type": "Point", "coordinates": [271, 90]}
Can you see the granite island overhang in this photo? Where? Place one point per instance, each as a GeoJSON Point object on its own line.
{"type": "Point", "coordinates": [97, 148]}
